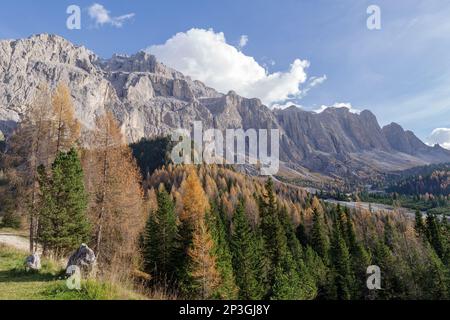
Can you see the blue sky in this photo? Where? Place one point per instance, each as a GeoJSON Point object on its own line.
{"type": "Point", "coordinates": [401, 72]}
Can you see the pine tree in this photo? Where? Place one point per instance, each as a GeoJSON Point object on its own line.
{"type": "Point", "coordinates": [434, 234]}
{"type": "Point", "coordinates": [341, 263]}
{"type": "Point", "coordinates": [359, 256]}
{"type": "Point", "coordinates": [63, 224]}
{"type": "Point", "coordinates": [270, 225]}
{"type": "Point", "coordinates": [227, 289]}
{"type": "Point", "coordinates": [285, 285]}
{"type": "Point", "coordinates": [419, 225]}
{"type": "Point", "coordinates": [319, 238]}
{"type": "Point", "coordinates": [318, 271]}
{"type": "Point", "coordinates": [306, 288]}
{"type": "Point", "coordinates": [301, 234]}
{"type": "Point", "coordinates": [160, 239]}
{"type": "Point", "coordinates": [384, 259]}
{"type": "Point", "coordinates": [246, 260]}
{"type": "Point", "coordinates": [348, 229]}
{"type": "Point", "coordinates": [284, 278]}
{"type": "Point", "coordinates": [436, 278]}
{"type": "Point", "coordinates": [445, 228]}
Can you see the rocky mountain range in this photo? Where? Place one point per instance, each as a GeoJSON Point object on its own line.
{"type": "Point", "coordinates": [150, 99]}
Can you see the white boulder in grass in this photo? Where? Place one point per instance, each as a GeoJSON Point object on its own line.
{"type": "Point", "coordinates": [84, 259]}
{"type": "Point", "coordinates": [33, 262]}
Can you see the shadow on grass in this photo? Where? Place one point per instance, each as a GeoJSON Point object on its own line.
{"type": "Point", "coordinates": [21, 275]}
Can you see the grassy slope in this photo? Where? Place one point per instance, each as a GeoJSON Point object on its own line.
{"type": "Point", "coordinates": [48, 284]}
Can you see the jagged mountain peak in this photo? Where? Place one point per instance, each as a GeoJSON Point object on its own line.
{"type": "Point", "coordinates": [139, 62]}
{"type": "Point", "coordinates": [49, 42]}
{"type": "Point", "coordinates": [151, 99]}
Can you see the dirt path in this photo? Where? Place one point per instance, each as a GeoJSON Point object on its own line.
{"type": "Point", "coordinates": [17, 242]}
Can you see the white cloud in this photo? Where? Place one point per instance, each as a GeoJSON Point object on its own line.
{"type": "Point", "coordinates": [339, 105]}
{"type": "Point", "coordinates": [243, 41]}
{"type": "Point", "coordinates": [440, 136]}
{"type": "Point", "coordinates": [315, 81]}
{"type": "Point", "coordinates": [312, 82]}
{"type": "Point", "coordinates": [206, 56]}
{"type": "Point", "coordinates": [286, 105]}
{"type": "Point", "coordinates": [102, 16]}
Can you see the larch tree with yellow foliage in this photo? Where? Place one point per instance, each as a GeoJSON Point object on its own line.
{"type": "Point", "coordinates": [195, 201]}
{"type": "Point", "coordinates": [202, 268]}
{"type": "Point", "coordinates": [116, 208]}
{"type": "Point", "coordinates": [66, 128]}
{"type": "Point", "coordinates": [29, 148]}
{"type": "Point", "coordinates": [199, 273]}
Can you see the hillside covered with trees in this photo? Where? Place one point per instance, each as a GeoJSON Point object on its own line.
{"type": "Point", "coordinates": [202, 232]}
{"type": "Point", "coordinates": [436, 183]}
{"type": "Point", "coordinates": [264, 240]}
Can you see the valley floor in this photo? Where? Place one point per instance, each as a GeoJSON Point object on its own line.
{"type": "Point", "coordinates": [377, 207]}
{"type": "Point", "coordinates": [374, 207]}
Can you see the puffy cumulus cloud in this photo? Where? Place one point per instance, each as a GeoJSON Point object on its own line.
{"type": "Point", "coordinates": [206, 56]}
{"type": "Point", "coordinates": [339, 105]}
{"type": "Point", "coordinates": [102, 16]}
{"type": "Point", "coordinates": [440, 136]}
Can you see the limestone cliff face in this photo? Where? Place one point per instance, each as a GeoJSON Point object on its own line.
{"type": "Point", "coordinates": [335, 130]}
{"type": "Point", "coordinates": [24, 64]}
{"type": "Point", "coordinates": [407, 142]}
{"type": "Point", "coordinates": [150, 99]}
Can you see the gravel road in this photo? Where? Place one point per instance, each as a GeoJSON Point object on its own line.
{"type": "Point", "coordinates": [17, 242]}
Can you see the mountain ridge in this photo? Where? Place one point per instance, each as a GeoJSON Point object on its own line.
{"type": "Point", "coordinates": [150, 99]}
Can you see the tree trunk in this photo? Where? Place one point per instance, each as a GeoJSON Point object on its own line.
{"type": "Point", "coordinates": [103, 197]}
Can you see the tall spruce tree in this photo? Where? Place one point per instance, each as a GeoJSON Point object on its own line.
{"type": "Point", "coordinates": [307, 288]}
{"type": "Point", "coordinates": [360, 258]}
{"type": "Point", "coordinates": [419, 225]}
{"type": "Point", "coordinates": [434, 234]}
{"type": "Point", "coordinates": [270, 224]}
{"type": "Point", "coordinates": [227, 288]}
{"type": "Point", "coordinates": [318, 270]}
{"type": "Point", "coordinates": [64, 224]}
{"type": "Point", "coordinates": [436, 277]}
{"type": "Point", "coordinates": [284, 278]}
{"type": "Point", "coordinates": [390, 282]}
{"type": "Point", "coordinates": [341, 264]}
{"type": "Point", "coordinates": [246, 261]}
{"type": "Point", "coordinates": [301, 234]}
{"type": "Point", "coordinates": [161, 239]}
{"type": "Point", "coordinates": [319, 239]}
